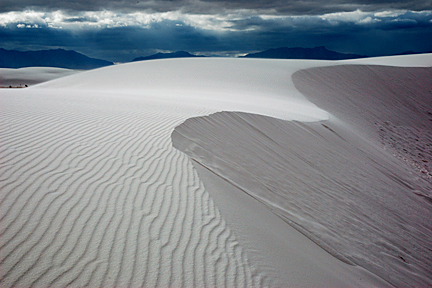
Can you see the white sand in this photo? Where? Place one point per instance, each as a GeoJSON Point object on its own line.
{"type": "Point", "coordinates": [94, 194]}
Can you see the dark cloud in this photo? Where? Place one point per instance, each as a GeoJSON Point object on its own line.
{"type": "Point", "coordinates": [80, 19]}
{"type": "Point", "coordinates": [121, 36]}
{"type": "Point", "coordinates": [354, 22]}
{"type": "Point", "coordinates": [281, 7]}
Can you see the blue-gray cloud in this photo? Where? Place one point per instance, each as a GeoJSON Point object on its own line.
{"type": "Point", "coordinates": [283, 7]}
{"type": "Point", "coordinates": [355, 32]}
{"type": "Point", "coordinates": [225, 27]}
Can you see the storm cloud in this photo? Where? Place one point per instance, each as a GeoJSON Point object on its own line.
{"type": "Point", "coordinates": [122, 30]}
{"type": "Point", "coordinates": [279, 7]}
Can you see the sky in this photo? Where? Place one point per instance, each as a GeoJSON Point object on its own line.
{"type": "Point", "coordinates": [120, 30]}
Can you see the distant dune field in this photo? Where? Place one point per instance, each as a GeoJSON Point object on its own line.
{"type": "Point", "coordinates": [218, 173]}
{"type": "Point", "coordinates": [30, 76]}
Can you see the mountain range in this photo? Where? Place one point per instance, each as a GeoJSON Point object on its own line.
{"type": "Point", "coordinates": [49, 58]}
{"type": "Point", "coordinates": [317, 53]}
{"type": "Point", "coordinates": [73, 60]}
{"type": "Point", "coordinates": [178, 54]}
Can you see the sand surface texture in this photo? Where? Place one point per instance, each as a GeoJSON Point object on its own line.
{"type": "Point", "coordinates": [93, 193]}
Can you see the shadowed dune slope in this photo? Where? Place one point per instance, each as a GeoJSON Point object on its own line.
{"type": "Point", "coordinates": [416, 60]}
{"type": "Point", "coordinates": [391, 106]}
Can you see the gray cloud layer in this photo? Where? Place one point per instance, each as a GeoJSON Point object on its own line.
{"type": "Point", "coordinates": [279, 7]}
{"type": "Point", "coordinates": [122, 30]}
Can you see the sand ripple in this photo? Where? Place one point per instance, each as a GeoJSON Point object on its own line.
{"type": "Point", "coordinates": [93, 194]}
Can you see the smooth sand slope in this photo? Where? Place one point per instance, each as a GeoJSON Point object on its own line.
{"type": "Point", "coordinates": [94, 194]}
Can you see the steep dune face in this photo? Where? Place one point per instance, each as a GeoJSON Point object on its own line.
{"type": "Point", "coordinates": [338, 181]}
{"type": "Point", "coordinates": [392, 106]}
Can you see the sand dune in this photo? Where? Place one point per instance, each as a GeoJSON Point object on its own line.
{"type": "Point", "coordinates": [338, 181]}
{"type": "Point", "coordinates": [94, 194]}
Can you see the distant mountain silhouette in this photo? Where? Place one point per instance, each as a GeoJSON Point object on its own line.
{"type": "Point", "coordinates": [412, 53]}
{"type": "Point", "coordinates": [49, 58]}
{"type": "Point", "coordinates": [178, 54]}
{"type": "Point", "coordinates": [317, 53]}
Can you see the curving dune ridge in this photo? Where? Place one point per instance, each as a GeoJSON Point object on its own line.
{"type": "Point", "coordinates": [93, 193]}
{"type": "Point", "coordinates": [345, 181]}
